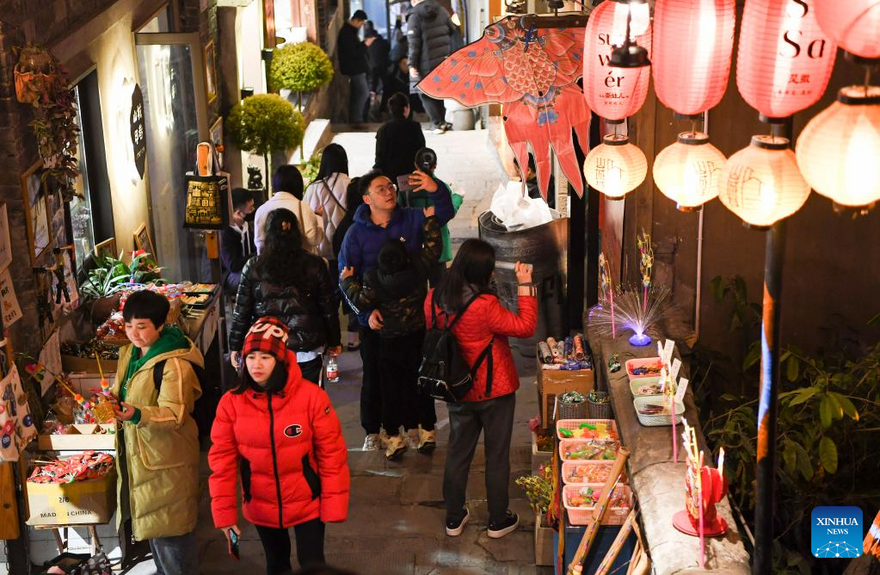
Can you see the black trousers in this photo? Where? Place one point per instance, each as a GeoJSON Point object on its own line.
{"type": "Point", "coordinates": [494, 417]}
{"type": "Point", "coordinates": [435, 108]}
{"type": "Point", "coordinates": [389, 395]}
{"type": "Point", "coordinates": [276, 546]}
{"type": "Point", "coordinates": [311, 370]}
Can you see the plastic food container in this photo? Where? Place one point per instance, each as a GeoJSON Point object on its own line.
{"type": "Point", "coordinates": [593, 449]}
{"type": "Point", "coordinates": [656, 420]}
{"type": "Point", "coordinates": [584, 515]}
{"type": "Point", "coordinates": [632, 364]}
{"type": "Point", "coordinates": [575, 424]}
{"type": "Point", "coordinates": [636, 384]}
{"type": "Point", "coordinates": [594, 471]}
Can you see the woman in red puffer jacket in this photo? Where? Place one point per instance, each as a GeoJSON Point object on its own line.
{"type": "Point", "coordinates": [284, 437]}
{"type": "Point", "coordinates": [489, 405]}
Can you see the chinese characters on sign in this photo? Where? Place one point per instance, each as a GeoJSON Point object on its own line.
{"type": "Point", "coordinates": [138, 130]}
{"type": "Point", "coordinates": [206, 202]}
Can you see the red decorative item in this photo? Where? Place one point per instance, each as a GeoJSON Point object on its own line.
{"type": "Point", "coordinates": [784, 59]}
{"type": "Point", "coordinates": [693, 41]}
{"type": "Point", "coordinates": [613, 93]}
{"type": "Point", "coordinates": [714, 490]}
{"type": "Point", "coordinates": [853, 24]}
{"type": "Point", "coordinates": [533, 73]}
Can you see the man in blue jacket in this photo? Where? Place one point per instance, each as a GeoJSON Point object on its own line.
{"type": "Point", "coordinates": [378, 220]}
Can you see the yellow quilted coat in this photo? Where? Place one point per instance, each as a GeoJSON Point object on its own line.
{"type": "Point", "coordinates": [162, 450]}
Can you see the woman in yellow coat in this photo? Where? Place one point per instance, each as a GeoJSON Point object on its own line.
{"type": "Point", "coordinates": [158, 444]}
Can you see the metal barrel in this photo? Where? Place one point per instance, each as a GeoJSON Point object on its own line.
{"type": "Point", "coordinates": [545, 247]}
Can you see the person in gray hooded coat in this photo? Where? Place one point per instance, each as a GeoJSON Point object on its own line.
{"type": "Point", "coordinates": [429, 30]}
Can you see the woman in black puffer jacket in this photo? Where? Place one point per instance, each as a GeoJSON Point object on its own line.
{"type": "Point", "coordinates": [293, 285]}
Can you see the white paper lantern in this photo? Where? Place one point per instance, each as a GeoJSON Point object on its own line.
{"type": "Point", "coordinates": [762, 184]}
{"type": "Point", "coordinates": [615, 167]}
{"type": "Point", "coordinates": [687, 171]}
{"type": "Point", "coordinates": [838, 151]}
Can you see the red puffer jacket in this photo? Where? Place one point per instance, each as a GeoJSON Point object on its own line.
{"type": "Point", "coordinates": [486, 317]}
{"type": "Point", "coordinates": [290, 451]}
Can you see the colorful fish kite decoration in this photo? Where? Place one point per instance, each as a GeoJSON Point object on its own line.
{"type": "Point", "coordinates": [533, 72]}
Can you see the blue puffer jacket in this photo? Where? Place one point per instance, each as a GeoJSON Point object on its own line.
{"type": "Point", "coordinates": [364, 239]}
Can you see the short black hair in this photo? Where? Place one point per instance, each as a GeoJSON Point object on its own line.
{"type": "Point", "coordinates": [367, 179]}
{"type": "Point", "coordinates": [146, 304]}
{"type": "Point", "coordinates": [241, 197]}
{"type": "Point", "coordinates": [288, 179]}
{"type": "Point", "coordinates": [359, 15]}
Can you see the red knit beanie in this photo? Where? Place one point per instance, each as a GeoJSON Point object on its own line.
{"type": "Point", "coordinates": [267, 335]}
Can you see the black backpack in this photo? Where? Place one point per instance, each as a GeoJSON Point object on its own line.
{"type": "Point", "coordinates": [205, 406]}
{"type": "Point", "coordinates": [444, 374]}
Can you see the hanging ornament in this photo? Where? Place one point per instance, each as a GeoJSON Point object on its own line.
{"type": "Point", "coordinates": [837, 150]}
{"type": "Point", "coordinates": [853, 24]}
{"type": "Point", "coordinates": [761, 183]}
{"type": "Point", "coordinates": [687, 171]}
{"type": "Point", "coordinates": [615, 167]}
{"type": "Point", "coordinates": [784, 59]}
{"type": "Point", "coordinates": [615, 93]}
{"type": "Point", "coordinates": [691, 76]}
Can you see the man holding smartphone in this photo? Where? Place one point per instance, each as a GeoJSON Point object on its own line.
{"type": "Point", "coordinates": [381, 219]}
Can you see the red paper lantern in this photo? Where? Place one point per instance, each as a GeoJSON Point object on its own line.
{"type": "Point", "coordinates": [853, 24]}
{"type": "Point", "coordinates": [614, 93]}
{"type": "Point", "coordinates": [784, 59]}
{"type": "Point", "coordinates": [693, 41]}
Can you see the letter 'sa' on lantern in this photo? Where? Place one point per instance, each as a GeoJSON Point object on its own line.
{"type": "Point", "coordinates": [761, 183]}
{"type": "Point", "coordinates": [687, 171]}
{"type": "Point", "coordinates": [838, 150]}
{"type": "Point", "coordinates": [615, 167]}
{"type": "Point", "coordinates": [853, 24]}
{"type": "Point", "coordinates": [611, 92]}
{"type": "Point", "coordinates": [784, 59]}
{"type": "Point", "coordinates": [693, 42]}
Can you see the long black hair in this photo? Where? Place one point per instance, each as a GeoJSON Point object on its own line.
{"type": "Point", "coordinates": [276, 382]}
{"type": "Point", "coordinates": [473, 266]}
{"type": "Point", "coordinates": [333, 160]}
{"type": "Point", "coordinates": [397, 104]}
{"type": "Point", "coordinates": [279, 262]}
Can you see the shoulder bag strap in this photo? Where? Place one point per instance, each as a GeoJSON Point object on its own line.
{"type": "Point", "coordinates": [158, 372]}
{"type": "Point", "coordinates": [461, 313]}
{"type": "Point", "coordinates": [332, 195]}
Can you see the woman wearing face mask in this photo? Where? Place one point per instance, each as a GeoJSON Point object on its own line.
{"type": "Point", "coordinates": [283, 436]}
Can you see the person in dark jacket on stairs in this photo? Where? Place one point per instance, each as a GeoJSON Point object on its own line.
{"type": "Point", "coordinates": [293, 285]}
{"type": "Point", "coordinates": [398, 139]}
{"type": "Point", "coordinates": [429, 34]}
{"type": "Point", "coordinates": [237, 240]}
{"type": "Point", "coordinates": [354, 63]}
{"type": "Point", "coordinates": [397, 288]}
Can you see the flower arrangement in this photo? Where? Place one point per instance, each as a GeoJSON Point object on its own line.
{"type": "Point", "coordinates": [538, 488]}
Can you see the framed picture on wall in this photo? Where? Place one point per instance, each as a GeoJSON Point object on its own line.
{"type": "Point", "coordinates": [107, 248]}
{"type": "Point", "coordinates": [216, 132]}
{"type": "Point", "coordinates": [35, 191]}
{"type": "Point", "coordinates": [142, 241]}
{"type": "Point", "coordinates": [210, 73]}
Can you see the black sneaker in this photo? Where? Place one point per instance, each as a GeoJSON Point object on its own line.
{"type": "Point", "coordinates": [507, 525]}
{"type": "Point", "coordinates": [455, 528]}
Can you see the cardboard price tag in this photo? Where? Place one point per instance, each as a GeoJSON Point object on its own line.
{"type": "Point", "coordinates": [681, 390]}
{"type": "Point", "coordinates": [676, 366]}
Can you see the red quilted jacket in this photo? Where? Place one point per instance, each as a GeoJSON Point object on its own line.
{"type": "Point", "coordinates": [484, 318]}
{"type": "Point", "coordinates": [290, 451]}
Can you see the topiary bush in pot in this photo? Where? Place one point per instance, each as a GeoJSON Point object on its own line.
{"type": "Point", "coordinates": [300, 68]}
{"type": "Point", "coordinates": [265, 123]}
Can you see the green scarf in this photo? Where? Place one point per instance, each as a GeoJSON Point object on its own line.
{"type": "Point", "coordinates": [170, 339]}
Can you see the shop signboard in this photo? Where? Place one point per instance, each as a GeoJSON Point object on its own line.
{"type": "Point", "coordinates": [138, 130]}
{"type": "Point", "coordinates": [206, 202]}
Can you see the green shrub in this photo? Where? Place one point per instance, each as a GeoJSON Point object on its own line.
{"type": "Point", "coordinates": [265, 123]}
{"type": "Point", "coordinates": [301, 67]}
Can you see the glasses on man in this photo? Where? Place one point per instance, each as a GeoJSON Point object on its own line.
{"type": "Point", "coordinates": [388, 188]}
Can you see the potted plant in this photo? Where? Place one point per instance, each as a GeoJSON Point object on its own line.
{"type": "Point", "coordinates": [265, 123]}
{"type": "Point", "coordinates": [302, 68]}
{"type": "Point", "coordinates": [539, 491]}
{"type": "Point", "coordinates": [112, 275]}
{"type": "Point", "coordinates": [34, 74]}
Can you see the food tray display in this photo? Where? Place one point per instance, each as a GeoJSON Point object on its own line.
{"type": "Point", "coordinates": [579, 501]}
{"type": "Point", "coordinates": [643, 367]}
{"type": "Point", "coordinates": [578, 472]}
{"type": "Point", "coordinates": [660, 418]}
{"type": "Point", "coordinates": [645, 387]}
{"type": "Point", "coordinates": [196, 300]}
{"type": "Point", "coordinates": [201, 288]}
{"type": "Point", "coordinates": [588, 449]}
{"type": "Point", "coordinates": [586, 429]}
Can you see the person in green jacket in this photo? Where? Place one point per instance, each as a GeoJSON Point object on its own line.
{"type": "Point", "coordinates": [422, 200]}
{"type": "Point", "coordinates": [158, 444]}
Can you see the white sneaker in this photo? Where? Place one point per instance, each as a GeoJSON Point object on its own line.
{"type": "Point", "coordinates": [439, 130]}
{"type": "Point", "coordinates": [372, 442]}
{"type": "Point", "coordinates": [412, 438]}
{"type": "Point", "coordinates": [396, 447]}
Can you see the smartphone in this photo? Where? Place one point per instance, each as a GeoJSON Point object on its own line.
{"type": "Point", "coordinates": [233, 544]}
{"type": "Point", "coordinates": [403, 183]}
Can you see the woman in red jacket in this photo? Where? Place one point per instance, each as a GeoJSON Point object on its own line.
{"type": "Point", "coordinates": [284, 437]}
{"type": "Point", "coordinates": [489, 405]}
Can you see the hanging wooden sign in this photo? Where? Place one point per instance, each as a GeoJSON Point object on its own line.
{"type": "Point", "coordinates": [138, 130]}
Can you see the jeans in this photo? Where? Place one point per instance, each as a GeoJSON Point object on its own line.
{"type": "Point", "coordinates": [178, 555]}
{"type": "Point", "coordinates": [276, 546]}
{"type": "Point", "coordinates": [358, 98]}
{"type": "Point", "coordinates": [435, 108]}
{"type": "Point", "coordinates": [494, 417]}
